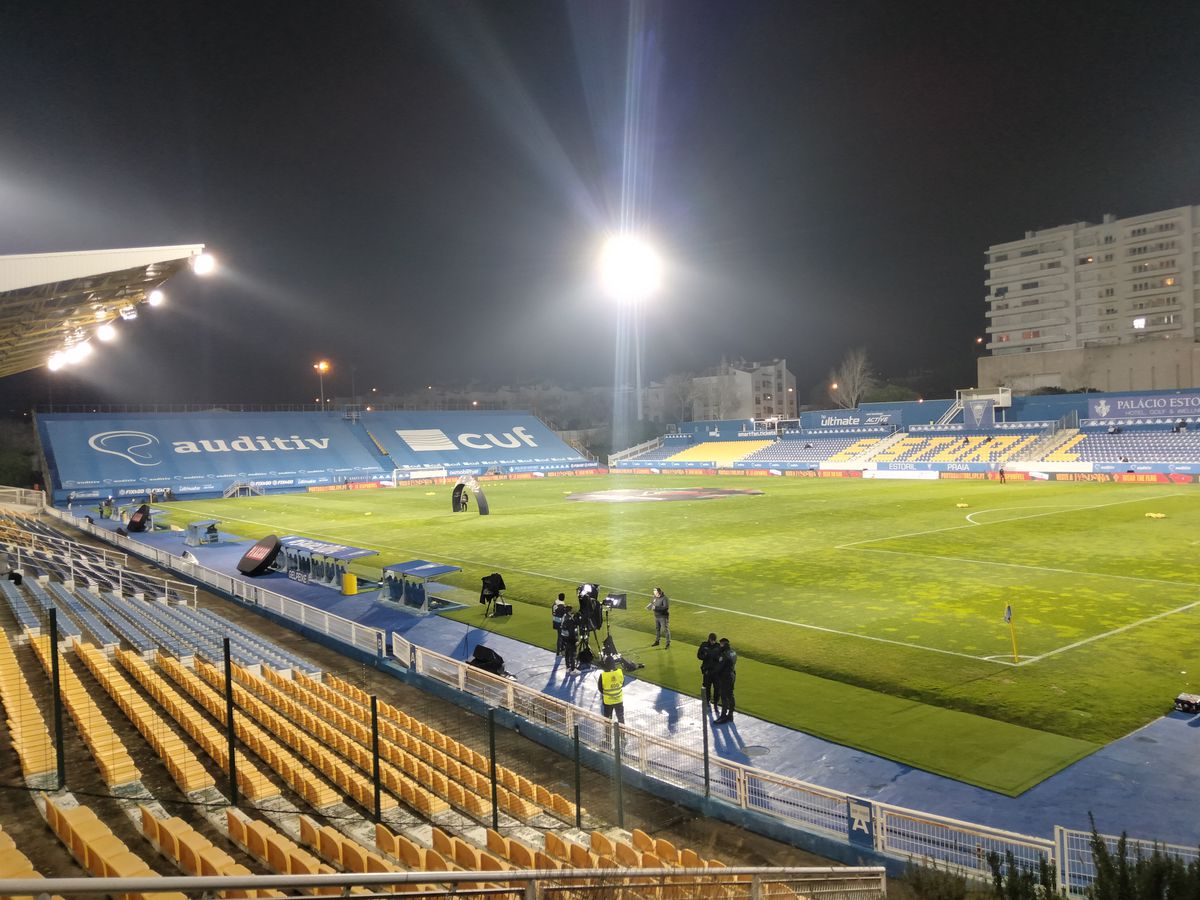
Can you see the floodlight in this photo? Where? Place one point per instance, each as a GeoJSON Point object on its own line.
{"type": "Point", "coordinates": [630, 269]}
{"type": "Point", "coordinates": [106, 332]}
{"type": "Point", "coordinates": [204, 264]}
{"type": "Point", "coordinates": [156, 297]}
{"type": "Point", "coordinates": [55, 362]}
{"type": "Point", "coordinates": [128, 311]}
{"type": "Point", "coordinates": [78, 352]}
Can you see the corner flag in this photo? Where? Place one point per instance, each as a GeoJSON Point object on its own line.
{"type": "Point", "coordinates": [1012, 632]}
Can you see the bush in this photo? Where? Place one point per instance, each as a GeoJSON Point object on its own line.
{"type": "Point", "coordinates": [929, 882]}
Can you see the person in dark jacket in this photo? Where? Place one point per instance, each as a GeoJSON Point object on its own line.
{"type": "Point", "coordinates": [725, 677]}
{"type": "Point", "coordinates": [557, 612]}
{"type": "Point", "coordinates": [708, 653]}
{"type": "Point", "coordinates": [568, 638]}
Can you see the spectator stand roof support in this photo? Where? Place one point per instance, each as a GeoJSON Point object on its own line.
{"type": "Point", "coordinates": [49, 300]}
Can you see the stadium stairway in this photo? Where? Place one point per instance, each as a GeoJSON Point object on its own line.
{"type": "Point", "coordinates": [372, 445]}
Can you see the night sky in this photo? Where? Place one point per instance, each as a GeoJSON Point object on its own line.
{"type": "Point", "coordinates": [417, 191]}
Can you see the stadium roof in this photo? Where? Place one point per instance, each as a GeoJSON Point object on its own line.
{"type": "Point", "coordinates": [50, 302]}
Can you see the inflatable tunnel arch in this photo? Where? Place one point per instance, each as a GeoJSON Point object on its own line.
{"type": "Point", "coordinates": [460, 501]}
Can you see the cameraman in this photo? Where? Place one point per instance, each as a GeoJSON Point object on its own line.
{"type": "Point", "coordinates": [709, 653]}
{"type": "Point", "coordinates": [556, 619]}
{"type": "Point", "coordinates": [568, 637]}
{"type": "Point", "coordinates": [661, 604]}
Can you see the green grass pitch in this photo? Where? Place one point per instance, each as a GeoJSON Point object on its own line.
{"type": "Point", "coordinates": [869, 613]}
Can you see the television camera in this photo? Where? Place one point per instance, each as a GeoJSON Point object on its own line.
{"type": "Point", "coordinates": [592, 610]}
{"type": "Point", "coordinates": [489, 595]}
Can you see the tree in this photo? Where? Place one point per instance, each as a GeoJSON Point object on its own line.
{"type": "Point", "coordinates": [852, 379]}
{"type": "Point", "coordinates": [677, 398]}
{"type": "Point", "coordinates": [891, 393]}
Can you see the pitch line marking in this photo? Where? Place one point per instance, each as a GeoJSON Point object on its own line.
{"type": "Point", "coordinates": [993, 562]}
{"type": "Point", "coordinates": [1096, 637]}
{"type": "Point", "coordinates": [1024, 661]}
{"type": "Point", "coordinates": [1053, 511]}
{"type": "Point", "coordinates": [735, 612]}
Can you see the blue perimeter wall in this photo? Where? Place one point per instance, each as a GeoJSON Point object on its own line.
{"type": "Point", "coordinates": [100, 455]}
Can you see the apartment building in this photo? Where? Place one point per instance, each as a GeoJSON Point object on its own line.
{"type": "Point", "coordinates": [1111, 306]}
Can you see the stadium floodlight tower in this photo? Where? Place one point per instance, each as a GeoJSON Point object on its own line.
{"type": "Point", "coordinates": [322, 366]}
{"type": "Point", "coordinates": [631, 273]}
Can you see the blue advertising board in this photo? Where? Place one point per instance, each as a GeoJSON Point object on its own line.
{"type": "Point", "coordinates": [421, 439]}
{"type": "Point", "coordinates": [1179, 405]}
{"type": "Point", "coordinates": [127, 455]}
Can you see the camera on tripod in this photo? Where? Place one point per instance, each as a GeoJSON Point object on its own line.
{"type": "Point", "coordinates": [489, 595]}
{"type": "Point", "coordinates": [590, 611]}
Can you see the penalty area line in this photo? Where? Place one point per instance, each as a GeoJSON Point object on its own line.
{"type": "Point", "coordinates": [1115, 631]}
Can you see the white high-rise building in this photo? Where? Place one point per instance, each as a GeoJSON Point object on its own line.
{"type": "Point", "coordinates": [1113, 306]}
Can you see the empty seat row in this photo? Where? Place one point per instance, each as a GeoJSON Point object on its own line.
{"type": "Point", "coordinates": [466, 791]}
{"type": "Point", "coordinates": [129, 631]}
{"type": "Point", "coordinates": [97, 849]}
{"type": "Point", "coordinates": [107, 749]}
{"type": "Point", "coordinates": [341, 773]}
{"type": "Point", "coordinates": [276, 851]}
{"type": "Point", "coordinates": [280, 658]}
{"type": "Point", "coordinates": [341, 851]}
{"type": "Point", "coordinates": [20, 607]}
{"type": "Point", "coordinates": [280, 760]}
{"type": "Point", "coordinates": [460, 762]}
{"type": "Point", "coordinates": [720, 453]}
{"type": "Point", "coordinates": [100, 632]}
{"type": "Point", "coordinates": [252, 781]}
{"type": "Point", "coordinates": [187, 770]}
{"type": "Point", "coordinates": [193, 853]}
{"type": "Point", "coordinates": [43, 603]}
{"type": "Point", "coordinates": [14, 863]}
{"type": "Point", "coordinates": [421, 790]}
{"type": "Point", "coordinates": [26, 727]}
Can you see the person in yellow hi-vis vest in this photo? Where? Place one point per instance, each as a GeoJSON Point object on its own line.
{"type": "Point", "coordinates": [612, 695]}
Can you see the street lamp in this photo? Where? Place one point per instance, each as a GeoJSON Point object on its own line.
{"type": "Point", "coordinates": [322, 367]}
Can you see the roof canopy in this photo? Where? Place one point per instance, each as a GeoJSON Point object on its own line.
{"type": "Point", "coordinates": [52, 301]}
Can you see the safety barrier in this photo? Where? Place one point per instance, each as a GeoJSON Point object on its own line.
{"type": "Point", "coordinates": [346, 631]}
{"type": "Point", "coordinates": [1076, 866]}
{"type": "Point", "coordinates": [11, 496]}
{"type": "Point", "coordinates": [732, 883]}
{"type": "Point", "coordinates": [889, 830]}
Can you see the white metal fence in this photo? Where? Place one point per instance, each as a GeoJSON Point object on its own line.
{"type": "Point", "coordinates": [892, 831]}
{"type": "Point", "coordinates": [344, 630]}
{"type": "Point", "coordinates": [1076, 866]}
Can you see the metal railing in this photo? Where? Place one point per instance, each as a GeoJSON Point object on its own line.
{"type": "Point", "coordinates": [344, 630]}
{"type": "Point", "coordinates": [11, 496]}
{"type": "Point", "coordinates": [629, 452]}
{"type": "Point", "coordinates": [888, 830]}
{"type": "Point", "coordinates": [1076, 865]}
{"type": "Point", "coordinates": [733, 883]}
